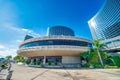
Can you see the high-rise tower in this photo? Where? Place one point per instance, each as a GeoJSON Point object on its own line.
{"type": "Point", "coordinates": [106, 24]}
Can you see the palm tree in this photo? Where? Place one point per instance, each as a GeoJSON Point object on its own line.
{"type": "Point", "coordinates": [8, 57]}
{"type": "Point", "coordinates": [99, 46]}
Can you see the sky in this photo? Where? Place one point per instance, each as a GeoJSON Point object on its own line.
{"type": "Point", "coordinates": [21, 17]}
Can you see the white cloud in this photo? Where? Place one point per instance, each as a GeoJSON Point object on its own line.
{"type": "Point", "coordinates": [19, 41]}
{"type": "Point", "coordinates": [11, 32]}
{"type": "Point", "coordinates": [11, 44]}
{"type": "Point", "coordinates": [23, 30]}
{"type": "Point", "coordinates": [7, 50]}
{"type": "Point", "coordinates": [2, 47]}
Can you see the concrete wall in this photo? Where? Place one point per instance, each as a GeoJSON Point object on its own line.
{"type": "Point", "coordinates": [70, 59]}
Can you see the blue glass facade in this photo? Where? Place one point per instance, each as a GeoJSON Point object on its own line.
{"type": "Point", "coordinates": [112, 44]}
{"type": "Point", "coordinates": [106, 23]}
{"type": "Point", "coordinates": [57, 42]}
{"type": "Point", "coordinates": [60, 30]}
{"type": "Point", "coordinates": [28, 37]}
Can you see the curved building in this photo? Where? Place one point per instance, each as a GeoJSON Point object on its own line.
{"type": "Point", "coordinates": [57, 47]}
{"type": "Point", "coordinates": [106, 23]}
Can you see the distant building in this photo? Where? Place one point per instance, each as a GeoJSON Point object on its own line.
{"type": "Point", "coordinates": [106, 24]}
{"type": "Point", "coordinates": [28, 37]}
{"type": "Point", "coordinates": [60, 45]}
{"type": "Point", "coordinates": [60, 30]}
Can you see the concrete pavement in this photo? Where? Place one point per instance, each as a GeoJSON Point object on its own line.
{"type": "Point", "coordinates": [22, 72]}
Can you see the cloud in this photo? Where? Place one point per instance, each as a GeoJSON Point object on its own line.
{"type": "Point", "coordinates": [26, 30]}
{"type": "Point", "coordinates": [2, 47]}
{"type": "Point", "coordinates": [23, 30]}
{"type": "Point", "coordinates": [19, 41]}
{"type": "Point", "coordinates": [7, 50]}
{"type": "Point", "coordinates": [14, 37]}
{"type": "Point", "coordinates": [11, 31]}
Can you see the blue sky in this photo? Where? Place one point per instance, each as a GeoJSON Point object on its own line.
{"type": "Point", "coordinates": [19, 17]}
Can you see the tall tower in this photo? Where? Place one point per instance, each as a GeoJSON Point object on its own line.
{"type": "Point", "coordinates": [60, 30]}
{"type": "Point", "coordinates": [106, 23]}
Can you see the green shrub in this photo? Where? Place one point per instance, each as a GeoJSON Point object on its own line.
{"type": "Point", "coordinates": [94, 58]}
{"type": "Point", "coordinates": [116, 60]}
{"type": "Point", "coordinates": [42, 65]}
{"type": "Point", "coordinates": [110, 67]}
{"type": "Point", "coordinates": [49, 63]}
{"type": "Point", "coordinates": [27, 62]}
{"type": "Point", "coordinates": [109, 62]}
{"type": "Point", "coordinates": [97, 65]}
{"type": "Point", "coordinates": [4, 65]}
{"type": "Point", "coordinates": [86, 66]}
{"type": "Point", "coordinates": [33, 63]}
{"type": "Point", "coordinates": [38, 63]}
{"type": "Point", "coordinates": [56, 63]}
{"type": "Point", "coordinates": [87, 55]}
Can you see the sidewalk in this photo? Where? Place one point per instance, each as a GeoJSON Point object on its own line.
{"type": "Point", "coordinates": [3, 74]}
{"type": "Point", "coordinates": [29, 73]}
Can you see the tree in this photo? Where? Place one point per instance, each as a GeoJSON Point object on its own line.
{"type": "Point", "coordinates": [8, 57]}
{"type": "Point", "coordinates": [99, 46]}
{"type": "Point", "coordinates": [19, 58]}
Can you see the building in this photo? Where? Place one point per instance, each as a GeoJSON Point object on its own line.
{"type": "Point", "coordinates": [60, 45]}
{"type": "Point", "coordinates": [60, 30]}
{"type": "Point", "coordinates": [105, 25]}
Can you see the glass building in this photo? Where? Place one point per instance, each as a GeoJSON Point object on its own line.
{"type": "Point", "coordinates": [60, 30]}
{"type": "Point", "coordinates": [106, 24]}
{"type": "Point", "coordinates": [60, 45]}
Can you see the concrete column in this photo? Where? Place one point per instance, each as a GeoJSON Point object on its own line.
{"type": "Point", "coordinates": [31, 61]}
{"type": "Point", "coordinates": [44, 60]}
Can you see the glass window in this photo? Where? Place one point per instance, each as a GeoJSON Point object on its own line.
{"type": "Point", "coordinates": [58, 42]}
